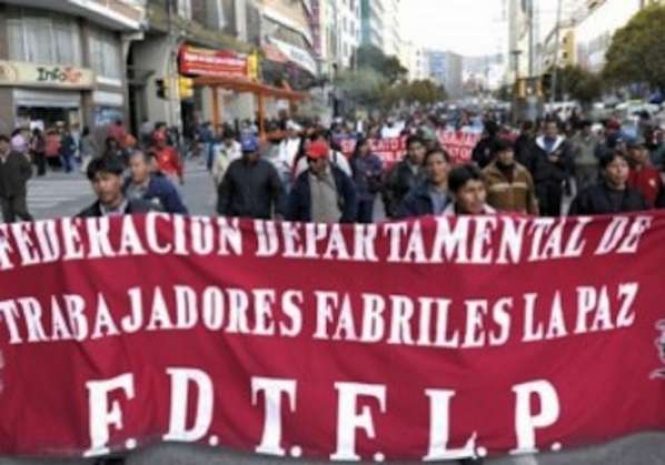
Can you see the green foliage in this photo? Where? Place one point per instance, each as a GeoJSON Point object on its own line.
{"type": "Point", "coordinates": [637, 52]}
{"type": "Point", "coordinates": [372, 57]}
{"type": "Point", "coordinates": [363, 86]}
{"type": "Point", "coordinates": [424, 92]}
{"type": "Point", "coordinates": [576, 82]}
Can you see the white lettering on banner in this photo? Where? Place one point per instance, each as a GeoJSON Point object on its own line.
{"type": "Point", "coordinates": [462, 240]}
{"type": "Point", "coordinates": [357, 406]}
{"type": "Point", "coordinates": [349, 420]}
{"type": "Point", "coordinates": [181, 379]}
{"type": "Point", "coordinates": [623, 235]}
{"type": "Point", "coordinates": [364, 317]}
{"type": "Point", "coordinates": [526, 422]}
{"type": "Point", "coordinates": [272, 394]}
{"type": "Point", "coordinates": [439, 431]}
{"type": "Point", "coordinates": [100, 416]}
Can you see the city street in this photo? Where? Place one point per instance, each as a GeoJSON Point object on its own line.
{"type": "Point", "coordinates": [60, 194]}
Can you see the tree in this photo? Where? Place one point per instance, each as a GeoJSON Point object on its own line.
{"type": "Point", "coordinates": [369, 56]}
{"type": "Point", "coordinates": [574, 82]}
{"type": "Point", "coordinates": [637, 51]}
{"type": "Point", "coordinates": [362, 86]}
{"type": "Point", "coordinates": [425, 92]}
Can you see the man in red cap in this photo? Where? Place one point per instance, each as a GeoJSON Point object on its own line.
{"type": "Point", "coordinates": [168, 160]}
{"type": "Point", "coordinates": [323, 193]}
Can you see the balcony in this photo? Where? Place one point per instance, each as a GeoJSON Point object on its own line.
{"type": "Point", "coordinates": [113, 14]}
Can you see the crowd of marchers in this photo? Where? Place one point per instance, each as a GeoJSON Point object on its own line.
{"type": "Point", "coordinates": [297, 171]}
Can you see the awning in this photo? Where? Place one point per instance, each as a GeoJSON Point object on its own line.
{"type": "Point", "coordinates": [297, 55]}
{"type": "Point", "coordinates": [272, 53]}
{"type": "Point", "coordinates": [245, 85]}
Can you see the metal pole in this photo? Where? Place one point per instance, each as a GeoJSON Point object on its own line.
{"type": "Point", "coordinates": [557, 40]}
{"type": "Point", "coordinates": [531, 37]}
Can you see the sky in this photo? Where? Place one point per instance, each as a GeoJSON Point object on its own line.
{"type": "Point", "coordinates": [468, 27]}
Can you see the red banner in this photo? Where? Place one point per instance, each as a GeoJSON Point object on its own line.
{"type": "Point", "coordinates": [431, 340]}
{"type": "Point", "coordinates": [458, 144]}
{"type": "Point", "coordinates": [196, 61]}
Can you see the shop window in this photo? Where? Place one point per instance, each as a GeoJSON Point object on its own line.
{"type": "Point", "coordinates": [42, 37]}
{"type": "Point", "coordinates": [105, 54]}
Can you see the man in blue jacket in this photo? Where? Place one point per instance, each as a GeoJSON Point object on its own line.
{"type": "Point", "coordinates": [146, 184]}
{"type": "Point", "coordinates": [323, 193]}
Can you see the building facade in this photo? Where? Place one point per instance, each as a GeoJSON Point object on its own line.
{"type": "Point", "coordinates": [446, 68]}
{"type": "Point", "coordinates": [373, 30]}
{"type": "Point", "coordinates": [65, 61]}
{"type": "Point", "coordinates": [392, 43]}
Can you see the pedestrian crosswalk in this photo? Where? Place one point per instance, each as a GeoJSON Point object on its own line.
{"type": "Point", "coordinates": [50, 197]}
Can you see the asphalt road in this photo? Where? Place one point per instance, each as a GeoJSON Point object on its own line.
{"type": "Point", "coordinates": [61, 194]}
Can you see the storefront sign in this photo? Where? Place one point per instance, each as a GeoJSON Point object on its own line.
{"type": "Point", "coordinates": [297, 55]}
{"type": "Point", "coordinates": [433, 340]}
{"type": "Point", "coordinates": [196, 61]}
{"type": "Point", "coordinates": [16, 73]}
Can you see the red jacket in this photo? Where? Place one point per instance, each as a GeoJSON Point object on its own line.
{"type": "Point", "coordinates": [647, 182]}
{"type": "Point", "coordinates": [168, 161]}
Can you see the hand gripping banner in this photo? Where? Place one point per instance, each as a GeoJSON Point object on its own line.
{"type": "Point", "coordinates": [430, 340]}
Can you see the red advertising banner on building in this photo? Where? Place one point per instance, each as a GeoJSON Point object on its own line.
{"type": "Point", "coordinates": [195, 61]}
{"type": "Point", "coordinates": [432, 340]}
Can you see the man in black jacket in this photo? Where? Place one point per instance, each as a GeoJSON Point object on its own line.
{"type": "Point", "coordinates": [105, 175]}
{"type": "Point", "coordinates": [612, 195]}
{"type": "Point", "coordinates": [431, 196]}
{"type": "Point", "coordinates": [251, 187]}
{"type": "Point", "coordinates": [551, 162]}
{"type": "Point", "coordinates": [483, 152]}
{"type": "Point", "coordinates": [404, 176]}
{"type": "Point", "coordinates": [15, 170]}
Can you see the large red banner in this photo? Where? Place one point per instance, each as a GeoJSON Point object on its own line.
{"type": "Point", "coordinates": [432, 340]}
{"type": "Point", "coordinates": [195, 61]}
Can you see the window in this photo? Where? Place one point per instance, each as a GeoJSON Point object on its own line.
{"type": "Point", "coordinates": [105, 54]}
{"type": "Point", "coordinates": [40, 37]}
{"type": "Point", "coordinates": [185, 9]}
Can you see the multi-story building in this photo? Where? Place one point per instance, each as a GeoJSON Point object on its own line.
{"type": "Point", "coordinates": [414, 58]}
{"type": "Point", "coordinates": [173, 27]}
{"type": "Point", "coordinates": [446, 68]}
{"type": "Point", "coordinates": [392, 43]}
{"type": "Point", "coordinates": [65, 61]}
{"type": "Point", "coordinates": [565, 52]}
{"type": "Point", "coordinates": [373, 30]}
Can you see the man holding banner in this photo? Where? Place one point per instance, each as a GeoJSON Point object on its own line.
{"type": "Point", "coordinates": [431, 196]}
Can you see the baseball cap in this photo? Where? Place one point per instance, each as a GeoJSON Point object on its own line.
{"type": "Point", "coordinates": [249, 144]}
{"type": "Point", "coordinates": [318, 149]}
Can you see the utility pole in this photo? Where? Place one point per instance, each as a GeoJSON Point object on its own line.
{"type": "Point", "coordinates": [532, 39]}
{"type": "Point", "coordinates": [516, 63]}
{"type": "Point", "coordinates": [557, 41]}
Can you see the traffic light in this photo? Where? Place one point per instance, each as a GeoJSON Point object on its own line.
{"type": "Point", "coordinates": [162, 88]}
{"type": "Point", "coordinates": [185, 87]}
